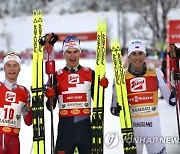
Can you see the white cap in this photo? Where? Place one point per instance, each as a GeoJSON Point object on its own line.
{"type": "Point", "coordinates": [12, 56]}
{"type": "Point", "coordinates": [136, 46]}
{"type": "Point", "coordinates": [71, 44]}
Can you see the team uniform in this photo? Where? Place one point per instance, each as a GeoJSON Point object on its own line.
{"type": "Point", "coordinates": [13, 98]}
{"type": "Point", "coordinates": [143, 102]}
{"type": "Point", "coordinates": [74, 90]}
{"type": "Point", "coordinates": [143, 99]}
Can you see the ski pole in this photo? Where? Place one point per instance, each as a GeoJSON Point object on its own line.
{"type": "Point", "coordinates": [174, 65]}
{"type": "Point", "coordinates": [48, 41]}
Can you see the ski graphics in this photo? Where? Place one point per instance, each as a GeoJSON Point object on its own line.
{"type": "Point", "coordinates": [120, 83]}
{"type": "Point", "coordinates": [37, 86]}
{"type": "Point", "coordinates": [98, 103]}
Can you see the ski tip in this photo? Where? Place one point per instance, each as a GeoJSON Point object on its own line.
{"type": "Point", "coordinates": [115, 44]}
{"type": "Point", "coordinates": [101, 21]}
{"type": "Point", "coordinates": [34, 12]}
{"type": "Point", "coordinates": [39, 12]}
{"type": "Point", "coordinates": [101, 24]}
{"type": "Point", "coordinates": [115, 41]}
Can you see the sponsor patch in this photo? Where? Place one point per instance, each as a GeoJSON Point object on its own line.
{"type": "Point", "coordinates": [143, 110]}
{"type": "Point", "coordinates": [10, 96]}
{"type": "Point", "coordinates": [142, 124]}
{"type": "Point", "coordinates": [73, 78]}
{"type": "Point", "coordinates": [138, 84]}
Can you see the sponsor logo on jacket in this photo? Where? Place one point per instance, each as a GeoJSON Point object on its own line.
{"type": "Point", "coordinates": [73, 78]}
{"type": "Point", "coordinates": [138, 84]}
{"type": "Point", "coordinates": [10, 96]}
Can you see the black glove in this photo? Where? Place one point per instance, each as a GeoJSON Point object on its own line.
{"type": "Point", "coordinates": [25, 109]}
{"type": "Point", "coordinates": [172, 98]}
{"type": "Point", "coordinates": [53, 39]}
{"type": "Point", "coordinates": [116, 110]}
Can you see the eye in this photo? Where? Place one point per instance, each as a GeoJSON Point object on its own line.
{"type": "Point", "coordinates": [141, 53]}
{"type": "Point", "coordinates": [68, 52]}
{"type": "Point", "coordinates": [8, 65]}
{"type": "Point", "coordinates": [16, 65]}
{"type": "Point", "coordinates": [76, 51]}
{"type": "Point", "coordinates": [133, 53]}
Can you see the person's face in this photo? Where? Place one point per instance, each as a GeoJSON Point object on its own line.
{"type": "Point", "coordinates": [11, 69]}
{"type": "Point", "coordinates": [137, 59]}
{"type": "Point", "coordinates": [72, 56]}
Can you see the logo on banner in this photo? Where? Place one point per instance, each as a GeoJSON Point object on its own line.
{"type": "Point", "coordinates": [73, 78]}
{"type": "Point", "coordinates": [138, 84]}
{"type": "Point", "coordinates": [178, 27]}
{"type": "Point", "coordinates": [174, 31]}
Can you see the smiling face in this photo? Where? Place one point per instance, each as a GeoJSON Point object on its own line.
{"type": "Point", "coordinates": [137, 59]}
{"type": "Point", "coordinates": [72, 56]}
{"type": "Point", "coordinates": [11, 69]}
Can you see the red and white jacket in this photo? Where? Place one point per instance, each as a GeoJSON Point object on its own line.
{"type": "Point", "coordinates": [74, 92]}
{"type": "Point", "coordinates": [11, 104]}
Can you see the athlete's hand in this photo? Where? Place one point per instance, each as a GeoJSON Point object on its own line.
{"type": "Point", "coordinates": [26, 108]}
{"type": "Point", "coordinates": [104, 82]}
{"type": "Point", "coordinates": [50, 92]}
{"type": "Point", "coordinates": [172, 98]}
{"type": "Point", "coordinates": [116, 110]}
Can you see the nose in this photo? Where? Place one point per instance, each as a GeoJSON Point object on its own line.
{"type": "Point", "coordinates": [137, 56]}
{"type": "Point", "coordinates": [72, 54]}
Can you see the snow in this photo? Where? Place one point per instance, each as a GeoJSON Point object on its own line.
{"type": "Point", "coordinates": [20, 31]}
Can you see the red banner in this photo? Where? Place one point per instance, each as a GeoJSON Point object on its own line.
{"type": "Point", "coordinates": [88, 36]}
{"type": "Point", "coordinates": [173, 37]}
{"type": "Point", "coordinates": [173, 31]}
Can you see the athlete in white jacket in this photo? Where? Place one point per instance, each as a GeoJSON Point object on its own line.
{"type": "Point", "coordinates": [142, 89]}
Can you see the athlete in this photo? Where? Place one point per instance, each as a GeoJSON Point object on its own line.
{"type": "Point", "coordinates": [74, 86]}
{"type": "Point", "coordinates": [142, 89]}
{"type": "Point", "coordinates": [14, 102]}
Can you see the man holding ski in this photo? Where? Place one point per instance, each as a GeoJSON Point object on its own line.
{"type": "Point", "coordinates": [142, 89]}
{"type": "Point", "coordinates": [14, 102]}
{"type": "Point", "coordinates": [73, 88]}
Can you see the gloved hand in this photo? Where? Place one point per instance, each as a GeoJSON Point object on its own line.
{"type": "Point", "coordinates": [172, 98]}
{"type": "Point", "coordinates": [104, 82]}
{"type": "Point", "coordinates": [116, 110]}
{"type": "Point", "coordinates": [50, 92]}
{"type": "Point", "coordinates": [26, 108]}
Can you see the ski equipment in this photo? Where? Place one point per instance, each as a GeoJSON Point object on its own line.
{"type": "Point", "coordinates": [98, 103]}
{"type": "Point", "coordinates": [48, 42]}
{"type": "Point", "coordinates": [175, 77]}
{"type": "Point", "coordinates": [38, 86]}
{"type": "Point", "coordinates": [120, 83]}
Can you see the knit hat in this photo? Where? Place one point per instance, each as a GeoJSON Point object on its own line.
{"type": "Point", "coordinates": [12, 56]}
{"type": "Point", "coordinates": [71, 42]}
{"type": "Point", "coordinates": [136, 46]}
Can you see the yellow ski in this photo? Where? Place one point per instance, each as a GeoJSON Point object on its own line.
{"type": "Point", "coordinates": [37, 86]}
{"type": "Point", "coordinates": [98, 103]}
{"type": "Point", "coordinates": [120, 83]}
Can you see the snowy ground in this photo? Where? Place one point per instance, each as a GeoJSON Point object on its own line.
{"type": "Point", "coordinates": [167, 113]}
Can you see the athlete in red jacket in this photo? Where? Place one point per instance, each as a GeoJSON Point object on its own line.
{"type": "Point", "coordinates": [74, 90]}
{"type": "Point", "coordinates": [14, 102]}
